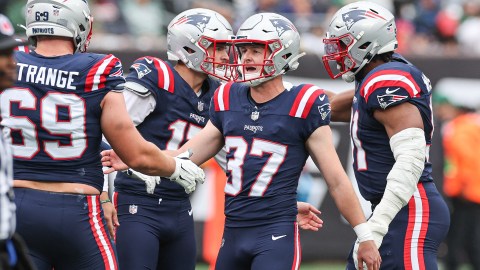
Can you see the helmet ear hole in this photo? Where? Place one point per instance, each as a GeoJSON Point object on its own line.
{"type": "Point", "coordinates": [364, 45]}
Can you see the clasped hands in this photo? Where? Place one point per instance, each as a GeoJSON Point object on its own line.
{"type": "Point", "coordinates": [186, 173]}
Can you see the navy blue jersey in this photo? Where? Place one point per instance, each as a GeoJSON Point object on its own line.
{"type": "Point", "coordinates": [52, 115]}
{"type": "Point", "coordinates": [179, 114]}
{"type": "Point", "coordinates": [266, 149]}
{"type": "Point", "coordinates": [387, 85]}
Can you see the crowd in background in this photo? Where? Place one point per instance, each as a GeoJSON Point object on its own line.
{"type": "Point", "coordinates": [425, 27]}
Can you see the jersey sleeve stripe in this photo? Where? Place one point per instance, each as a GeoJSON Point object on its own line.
{"type": "Point", "coordinates": [165, 76]}
{"type": "Point", "coordinates": [294, 108]}
{"type": "Point", "coordinates": [305, 100]}
{"type": "Point", "coordinates": [222, 97]}
{"type": "Point", "coordinates": [95, 74]}
{"type": "Point", "coordinates": [391, 78]}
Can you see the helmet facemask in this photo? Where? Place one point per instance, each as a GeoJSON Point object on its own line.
{"type": "Point", "coordinates": [256, 71]}
{"type": "Point", "coordinates": [337, 59]}
{"type": "Point", "coordinates": [214, 64]}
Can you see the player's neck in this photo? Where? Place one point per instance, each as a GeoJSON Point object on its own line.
{"type": "Point", "coordinates": [268, 90]}
{"type": "Point", "coordinates": [194, 78]}
{"type": "Point", "coordinates": [54, 47]}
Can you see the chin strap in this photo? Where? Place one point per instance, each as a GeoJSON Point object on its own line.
{"type": "Point", "coordinates": [348, 77]}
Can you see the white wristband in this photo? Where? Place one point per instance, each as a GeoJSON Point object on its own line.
{"type": "Point", "coordinates": [105, 181]}
{"type": "Point", "coordinates": [363, 232]}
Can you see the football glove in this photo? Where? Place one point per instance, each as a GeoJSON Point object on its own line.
{"type": "Point", "coordinates": [150, 181]}
{"type": "Point", "coordinates": [186, 173]}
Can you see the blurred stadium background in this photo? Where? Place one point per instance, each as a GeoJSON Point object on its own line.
{"type": "Point", "coordinates": [441, 37]}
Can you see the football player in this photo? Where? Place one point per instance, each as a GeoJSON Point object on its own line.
{"type": "Point", "coordinates": [391, 127]}
{"type": "Point", "coordinates": [269, 131]}
{"type": "Point", "coordinates": [168, 102]}
{"type": "Point", "coordinates": [54, 117]}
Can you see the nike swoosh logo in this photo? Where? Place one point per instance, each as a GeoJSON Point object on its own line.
{"type": "Point", "coordinates": [391, 91]}
{"type": "Point", "coordinates": [274, 238]}
{"type": "Point", "coordinates": [149, 60]}
{"type": "Point", "coordinates": [322, 97]}
{"type": "Point", "coordinates": [190, 212]}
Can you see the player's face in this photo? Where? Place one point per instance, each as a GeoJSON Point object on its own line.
{"type": "Point", "coordinates": [7, 69]}
{"type": "Point", "coordinates": [220, 53]}
{"type": "Point", "coordinates": [252, 57]}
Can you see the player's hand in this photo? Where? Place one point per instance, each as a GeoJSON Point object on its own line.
{"type": "Point", "coordinates": [111, 160]}
{"type": "Point", "coordinates": [110, 214]}
{"type": "Point", "coordinates": [186, 173]}
{"type": "Point", "coordinates": [378, 232]}
{"type": "Point", "coordinates": [150, 181]}
{"type": "Point", "coordinates": [366, 255]}
{"type": "Point", "coordinates": [307, 217]}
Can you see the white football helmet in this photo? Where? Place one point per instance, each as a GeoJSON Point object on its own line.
{"type": "Point", "coordinates": [60, 18]}
{"type": "Point", "coordinates": [282, 47]}
{"type": "Point", "coordinates": [192, 32]}
{"type": "Point", "coordinates": [358, 32]}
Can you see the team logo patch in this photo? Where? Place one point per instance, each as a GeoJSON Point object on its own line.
{"type": "Point", "coordinates": [133, 209]}
{"type": "Point", "coordinates": [324, 110]}
{"type": "Point", "coordinates": [141, 69]}
{"type": "Point", "coordinates": [281, 26]}
{"type": "Point", "coordinates": [353, 16]}
{"type": "Point", "coordinates": [119, 71]}
{"type": "Point", "coordinates": [255, 115]}
{"type": "Point", "coordinates": [388, 99]}
{"type": "Point", "coordinates": [200, 106]}
{"type": "Point", "coordinates": [198, 20]}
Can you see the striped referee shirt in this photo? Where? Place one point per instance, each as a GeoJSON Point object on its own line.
{"type": "Point", "coordinates": [7, 204]}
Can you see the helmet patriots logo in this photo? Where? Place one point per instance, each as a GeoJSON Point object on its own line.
{"type": "Point", "coordinates": [281, 26]}
{"type": "Point", "coordinates": [198, 20]}
{"type": "Point", "coordinates": [351, 17]}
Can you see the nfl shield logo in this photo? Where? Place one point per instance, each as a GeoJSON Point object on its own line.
{"type": "Point", "coordinates": [255, 116]}
{"type": "Point", "coordinates": [133, 209]}
{"type": "Point", "coordinates": [200, 106]}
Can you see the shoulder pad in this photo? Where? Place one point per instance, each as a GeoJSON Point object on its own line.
{"type": "Point", "coordinates": [137, 89]}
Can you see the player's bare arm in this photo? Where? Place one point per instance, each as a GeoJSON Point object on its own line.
{"type": "Point", "coordinates": [399, 117]}
{"type": "Point", "coordinates": [323, 153]}
{"type": "Point", "coordinates": [127, 141]}
{"type": "Point", "coordinates": [210, 136]}
{"type": "Point", "coordinates": [341, 105]}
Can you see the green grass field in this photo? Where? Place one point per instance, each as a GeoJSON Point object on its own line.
{"type": "Point", "coordinates": [322, 266]}
{"type": "Point", "coordinates": [304, 266]}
